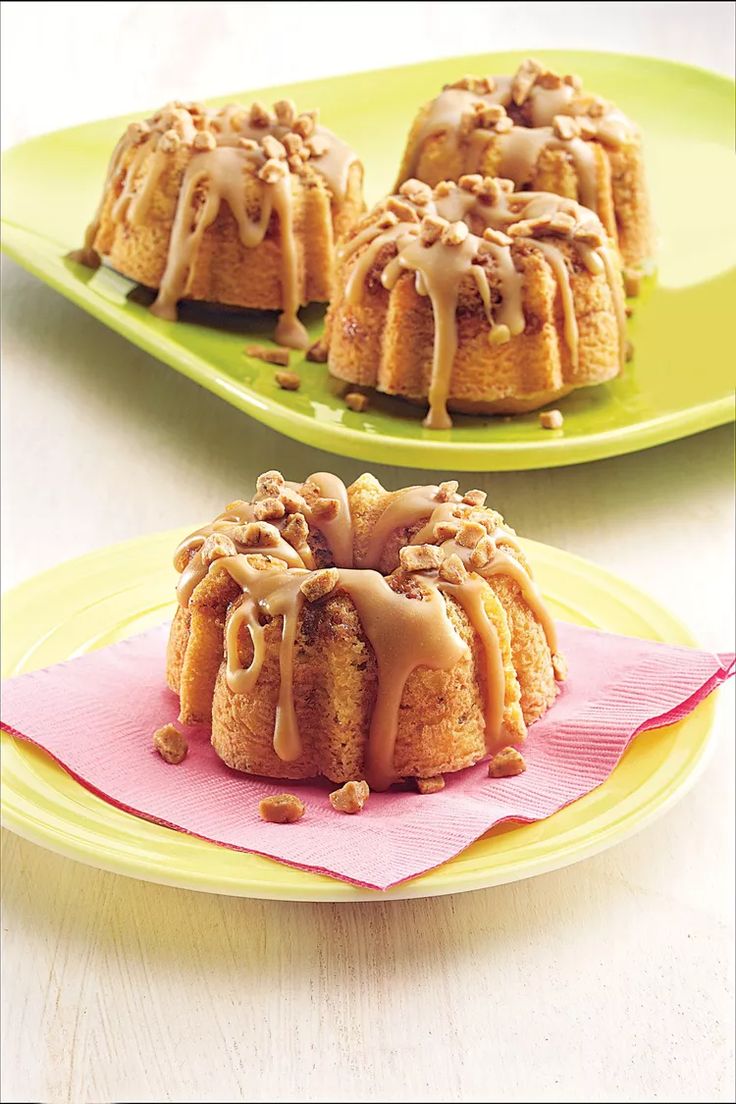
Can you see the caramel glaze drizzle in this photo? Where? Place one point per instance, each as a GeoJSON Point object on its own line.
{"type": "Point", "coordinates": [521, 144]}
{"type": "Point", "coordinates": [337, 531]}
{"type": "Point", "coordinates": [404, 634]}
{"type": "Point", "coordinates": [499, 220]}
{"type": "Point", "coordinates": [217, 170]}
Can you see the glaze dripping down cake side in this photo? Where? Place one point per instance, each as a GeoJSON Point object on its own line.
{"type": "Point", "coordinates": [475, 298]}
{"type": "Point", "coordinates": [359, 633]}
{"type": "Point", "coordinates": [544, 132]}
{"type": "Point", "coordinates": [233, 206]}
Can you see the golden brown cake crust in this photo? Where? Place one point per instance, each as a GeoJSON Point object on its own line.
{"type": "Point", "coordinates": [473, 298]}
{"type": "Point", "coordinates": [236, 206]}
{"type": "Point", "coordinates": [546, 133]}
{"type": "Point", "coordinates": [403, 639]}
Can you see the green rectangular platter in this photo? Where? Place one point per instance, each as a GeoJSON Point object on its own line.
{"type": "Point", "coordinates": [680, 381]}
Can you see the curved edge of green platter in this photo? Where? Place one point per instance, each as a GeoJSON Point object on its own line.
{"type": "Point", "coordinates": [335, 430]}
{"type": "Point", "coordinates": [45, 805]}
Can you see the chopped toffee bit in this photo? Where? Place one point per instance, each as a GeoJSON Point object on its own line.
{"type": "Point", "coordinates": [430, 785]}
{"type": "Point", "coordinates": [446, 490]}
{"type": "Point", "coordinates": [270, 483]}
{"type": "Point", "coordinates": [292, 502]}
{"type": "Point", "coordinates": [632, 282]}
{"type": "Point", "coordinates": [446, 530]}
{"type": "Point", "coordinates": [259, 115]}
{"type": "Point", "coordinates": [326, 509]}
{"type": "Point", "coordinates": [293, 144]}
{"type": "Point", "coordinates": [256, 534]}
{"type": "Point", "coordinates": [506, 763]}
{"type": "Point", "coordinates": [279, 355]}
{"type": "Point", "coordinates": [272, 147]}
{"type": "Point", "coordinates": [320, 583]}
{"type": "Point", "coordinates": [420, 557]}
{"type": "Point", "coordinates": [387, 219]}
{"type": "Point", "coordinates": [496, 237]}
{"type": "Point", "coordinates": [629, 350]}
{"type": "Point", "coordinates": [402, 209]}
{"type": "Point", "coordinates": [453, 570]}
{"type": "Point", "coordinates": [310, 492]}
{"type": "Point", "coordinates": [171, 745]}
{"type": "Point", "coordinates": [565, 127]}
{"type": "Point", "coordinates": [288, 381]}
{"type": "Point", "coordinates": [273, 171]}
{"type": "Point", "coordinates": [350, 798]}
{"type": "Point", "coordinates": [169, 142]}
{"type": "Point", "coordinates": [356, 401]}
{"type": "Point", "coordinates": [526, 77]}
{"type": "Point", "coordinates": [285, 111]}
{"type": "Point", "coordinates": [551, 419]}
{"type": "Point", "coordinates": [282, 808]}
{"type": "Point", "coordinates": [205, 140]}
{"type": "Point", "coordinates": [304, 124]}
{"type": "Point", "coordinates": [469, 533]}
{"type": "Point", "coordinates": [483, 553]}
{"type": "Point", "coordinates": [318, 352]}
{"type": "Point", "coordinates": [475, 498]}
{"type": "Point", "coordinates": [471, 182]}
{"type": "Point", "coordinates": [296, 531]}
{"type": "Point", "coordinates": [433, 226]}
{"type": "Point", "coordinates": [268, 509]}
{"type": "Point", "coordinates": [455, 233]}
{"type": "Point", "coordinates": [417, 191]}
{"type": "Point", "coordinates": [216, 546]}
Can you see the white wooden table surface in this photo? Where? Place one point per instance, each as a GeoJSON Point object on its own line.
{"type": "Point", "coordinates": [608, 981]}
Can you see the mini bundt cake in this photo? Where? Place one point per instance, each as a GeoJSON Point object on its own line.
{"type": "Point", "coordinates": [545, 133]}
{"type": "Point", "coordinates": [359, 633]}
{"type": "Point", "coordinates": [235, 206]}
{"type": "Point", "coordinates": [476, 298]}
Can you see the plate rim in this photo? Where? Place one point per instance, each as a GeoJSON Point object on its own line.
{"type": "Point", "coordinates": [22, 245]}
{"type": "Point", "coordinates": [356, 444]}
{"type": "Point", "coordinates": [413, 888]}
{"type": "Point", "coordinates": [324, 888]}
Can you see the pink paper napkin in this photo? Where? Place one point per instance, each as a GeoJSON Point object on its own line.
{"type": "Point", "coordinates": [96, 716]}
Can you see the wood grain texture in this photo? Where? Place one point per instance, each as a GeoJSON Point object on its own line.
{"type": "Point", "coordinates": [609, 981]}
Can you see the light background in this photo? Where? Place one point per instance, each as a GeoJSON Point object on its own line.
{"type": "Point", "coordinates": [612, 980]}
{"type": "Point", "coordinates": [68, 63]}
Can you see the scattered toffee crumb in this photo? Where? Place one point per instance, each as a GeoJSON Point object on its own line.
{"type": "Point", "coordinates": [288, 381]}
{"type": "Point", "coordinates": [506, 763]}
{"type": "Point", "coordinates": [357, 401]}
{"type": "Point", "coordinates": [350, 798]}
{"type": "Point", "coordinates": [279, 355]}
{"type": "Point", "coordinates": [430, 785]}
{"type": "Point", "coordinates": [282, 808]}
{"type": "Point", "coordinates": [551, 419]}
{"type": "Point", "coordinates": [171, 745]}
{"type": "Point", "coordinates": [317, 353]}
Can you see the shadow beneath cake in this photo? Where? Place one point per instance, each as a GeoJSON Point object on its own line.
{"type": "Point", "coordinates": [219, 316]}
{"type": "Point", "coordinates": [578, 403]}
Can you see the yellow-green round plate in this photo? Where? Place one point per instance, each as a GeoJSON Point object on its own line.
{"type": "Point", "coordinates": [116, 592]}
{"type": "Point", "coordinates": [682, 375]}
